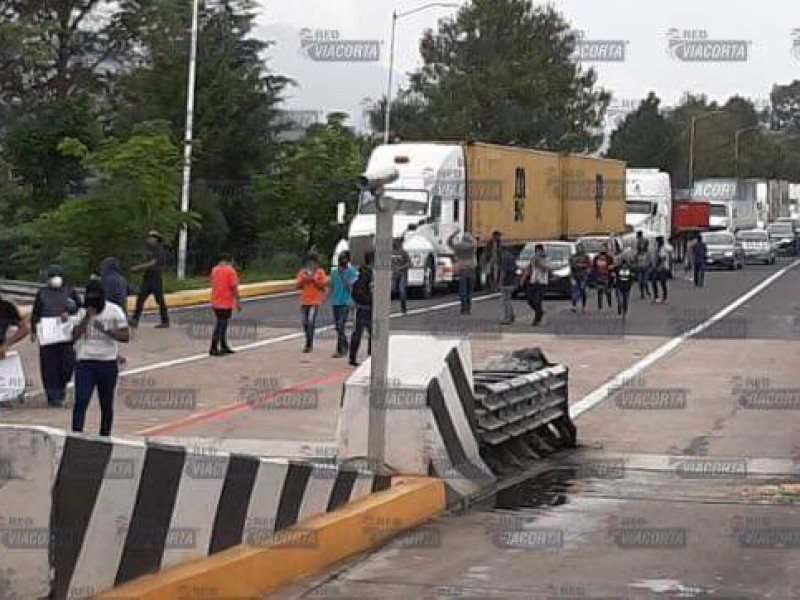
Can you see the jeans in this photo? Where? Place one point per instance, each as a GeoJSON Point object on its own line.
{"type": "Point", "coordinates": [56, 364]}
{"type": "Point", "coordinates": [91, 374]}
{"type": "Point", "coordinates": [699, 274]}
{"type": "Point", "coordinates": [643, 275]}
{"type": "Point", "coordinates": [151, 284]}
{"type": "Point", "coordinates": [363, 321]}
{"type": "Point", "coordinates": [623, 296]}
{"type": "Point", "coordinates": [660, 279]}
{"type": "Point", "coordinates": [466, 284]}
{"type": "Point", "coordinates": [579, 291]}
{"type": "Point", "coordinates": [400, 285]}
{"type": "Point", "coordinates": [603, 290]}
{"type": "Point", "coordinates": [219, 338]}
{"type": "Point", "coordinates": [340, 314]}
{"type": "Point", "coordinates": [508, 308]}
{"type": "Point", "coordinates": [309, 316]}
{"type": "Point", "coordinates": [535, 294]}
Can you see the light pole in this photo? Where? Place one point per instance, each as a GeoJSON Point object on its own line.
{"type": "Point", "coordinates": [183, 238]}
{"type": "Point", "coordinates": [691, 142]}
{"type": "Point", "coordinates": [395, 16]}
{"type": "Point", "coordinates": [736, 147]}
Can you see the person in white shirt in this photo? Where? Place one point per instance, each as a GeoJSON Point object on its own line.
{"type": "Point", "coordinates": [97, 335]}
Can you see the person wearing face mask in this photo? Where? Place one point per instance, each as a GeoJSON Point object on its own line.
{"type": "Point", "coordinates": [97, 336]}
{"type": "Point", "coordinates": [56, 300]}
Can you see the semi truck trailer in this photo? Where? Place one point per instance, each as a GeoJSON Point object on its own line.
{"type": "Point", "coordinates": [452, 188]}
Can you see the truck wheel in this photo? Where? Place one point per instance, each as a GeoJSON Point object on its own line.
{"type": "Point", "coordinates": [428, 282]}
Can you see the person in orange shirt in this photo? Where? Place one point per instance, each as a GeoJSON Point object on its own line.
{"type": "Point", "coordinates": [313, 285]}
{"type": "Point", "coordinates": [224, 299]}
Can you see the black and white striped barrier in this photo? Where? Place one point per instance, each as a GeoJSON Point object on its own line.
{"type": "Point", "coordinates": [80, 515]}
{"type": "Point", "coordinates": [431, 424]}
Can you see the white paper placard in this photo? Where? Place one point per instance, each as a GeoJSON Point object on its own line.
{"type": "Point", "coordinates": [52, 330]}
{"type": "Point", "coordinates": [12, 377]}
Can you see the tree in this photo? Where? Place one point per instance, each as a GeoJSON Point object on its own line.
{"type": "Point", "coordinates": [785, 100]}
{"type": "Point", "coordinates": [646, 138]}
{"type": "Point", "coordinates": [503, 71]}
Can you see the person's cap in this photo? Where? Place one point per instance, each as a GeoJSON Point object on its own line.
{"type": "Point", "coordinates": [55, 271]}
{"type": "Point", "coordinates": [154, 234]}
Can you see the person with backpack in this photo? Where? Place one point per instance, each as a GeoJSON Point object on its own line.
{"type": "Point", "coordinates": [623, 282]}
{"type": "Point", "coordinates": [343, 277]}
{"type": "Point", "coordinates": [152, 280]}
{"type": "Point", "coordinates": [508, 283]}
{"type": "Point", "coordinates": [580, 265]}
{"type": "Point", "coordinates": [643, 264]}
{"type": "Point", "coordinates": [602, 268]}
{"type": "Point", "coordinates": [313, 285]}
{"type": "Point", "coordinates": [660, 270]}
{"type": "Point", "coordinates": [362, 296]}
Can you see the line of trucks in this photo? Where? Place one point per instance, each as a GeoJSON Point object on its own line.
{"type": "Point", "coordinates": [533, 195]}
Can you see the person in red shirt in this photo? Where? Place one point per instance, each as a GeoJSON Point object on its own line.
{"type": "Point", "coordinates": [602, 268]}
{"type": "Point", "coordinates": [313, 285]}
{"type": "Point", "coordinates": [224, 299]}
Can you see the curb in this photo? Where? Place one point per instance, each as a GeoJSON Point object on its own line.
{"type": "Point", "coordinates": [203, 296]}
{"type": "Point", "coordinates": [251, 572]}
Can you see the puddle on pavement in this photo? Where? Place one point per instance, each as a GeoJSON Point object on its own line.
{"type": "Point", "coordinates": [551, 488]}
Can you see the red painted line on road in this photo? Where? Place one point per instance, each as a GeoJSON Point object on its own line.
{"type": "Point", "coordinates": [228, 409]}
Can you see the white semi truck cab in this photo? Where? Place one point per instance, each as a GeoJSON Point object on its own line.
{"type": "Point", "coordinates": [429, 206]}
{"type": "Point", "coordinates": [648, 202]}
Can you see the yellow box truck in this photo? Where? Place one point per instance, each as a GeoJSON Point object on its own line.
{"type": "Point", "coordinates": [527, 195]}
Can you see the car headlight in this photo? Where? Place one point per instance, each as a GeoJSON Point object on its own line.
{"type": "Point", "coordinates": [728, 253]}
{"type": "Point", "coordinates": [562, 272]}
{"type": "Point", "coordinates": [519, 271]}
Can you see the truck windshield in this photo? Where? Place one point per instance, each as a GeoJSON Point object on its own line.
{"type": "Point", "coordinates": [406, 202]}
{"type": "Point", "coordinates": [718, 239]}
{"type": "Point", "coordinates": [718, 210]}
{"type": "Point", "coordinates": [753, 236]}
{"type": "Point", "coordinates": [779, 229]}
{"type": "Point", "coordinates": [593, 245]}
{"type": "Point", "coordinates": [639, 207]}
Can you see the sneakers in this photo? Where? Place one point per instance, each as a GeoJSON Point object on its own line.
{"type": "Point", "coordinates": [338, 354]}
{"type": "Point", "coordinates": [306, 349]}
{"type": "Point", "coordinates": [353, 363]}
{"type": "Point", "coordinates": [227, 350]}
{"type": "Point", "coordinates": [162, 326]}
{"type": "Point", "coordinates": [214, 352]}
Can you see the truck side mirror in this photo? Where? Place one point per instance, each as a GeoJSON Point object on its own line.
{"type": "Point", "coordinates": [436, 208]}
{"type": "Point", "coordinates": [341, 213]}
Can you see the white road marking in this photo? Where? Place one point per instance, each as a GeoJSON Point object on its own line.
{"type": "Point", "coordinates": [604, 391]}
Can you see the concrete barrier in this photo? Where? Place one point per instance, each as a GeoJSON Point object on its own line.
{"type": "Point", "coordinates": [431, 424]}
{"type": "Point", "coordinates": [83, 514]}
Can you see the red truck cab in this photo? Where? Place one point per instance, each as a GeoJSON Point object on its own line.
{"type": "Point", "coordinates": [689, 218]}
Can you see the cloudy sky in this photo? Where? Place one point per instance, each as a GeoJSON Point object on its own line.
{"type": "Point", "coordinates": [642, 25]}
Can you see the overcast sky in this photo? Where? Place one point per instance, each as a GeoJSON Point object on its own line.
{"type": "Point", "coordinates": [643, 24]}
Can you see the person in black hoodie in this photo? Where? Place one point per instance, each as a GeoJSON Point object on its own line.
{"type": "Point", "coordinates": [56, 361]}
{"type": "Point", "coordinates": [116, 287]}
{"type": "Point", "coordinates": [362, 296]}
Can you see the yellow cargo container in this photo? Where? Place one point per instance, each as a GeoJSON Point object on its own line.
{"type": "Point", "coordinates": [538, 195]}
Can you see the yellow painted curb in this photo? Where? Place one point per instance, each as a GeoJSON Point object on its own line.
{"type": "Point", "coordinates": [203, 296]}
{"type": "Point", "coordinates": [307, 549]}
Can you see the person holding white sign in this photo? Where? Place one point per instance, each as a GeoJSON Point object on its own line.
{"type": "Point", "coordinates": [10, 317]}
{"type": "Point", "coordinates": [97, 336]}
{"type": "Point", "coordinates": [51, 327]}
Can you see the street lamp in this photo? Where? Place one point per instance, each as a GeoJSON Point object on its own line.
{"type": "Point", "coordinates": [187, 144]}
{"type": "Point", "coordinates": [736, 147]}
{"type": "Point", "coordinates": [691, 142]}
{"type": "Point", "coordinates": [395, 17]}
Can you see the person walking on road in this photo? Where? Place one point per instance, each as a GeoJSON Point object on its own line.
{"type": "Point", "coordinates": [699, 258]}
{"type": "Point", "coordinates": [508, 284]}
{"type": "Point", "coordinates": [343, 277]}
{"type": "Point", "coordinates": [660, 269]}
{"type": "Point", "coordinates": [115, 287]}
{"type": "Point", "coordinates": [401, 263]}
{"type": "Point", "coordinates": [688, 259]}
{"type": "Point", "coordinates": [494, 256]}
{"type": "Point", "coordinates": [224, 300]}
{"type": "Point", "coordinates": [465, 251]}
{"type": "Point", "coordinates": [362, 296]}
{"type": "Point", "coordinates": [152, 280]}
{"type": "Point", "coordinates": [102, 327]}
{"type": "Point", "coordinates": [623, 282]}
{"type": "Point", "coordinates": [10, 317]}
{"type": "Point", "coordinates": [602, 268]}
{"type": "Point", "coordinates": [643, 264]}
{"type": "Point", "coordinates": [52, 308]}
{"type": "Point", "coordinates": [313, 285]}
{"type": "Point", "coordinates": [580, 265]}
{"type": "Point", "coordinates": [536, 277]}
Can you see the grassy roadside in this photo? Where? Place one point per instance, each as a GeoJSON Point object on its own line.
{"type": "Point", "coordinates": [171, 283]}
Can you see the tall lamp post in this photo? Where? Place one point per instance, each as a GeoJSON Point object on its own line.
{"type": "Point", "coordinates": [183, 238]}
{"type": "Point", "coordinates": [736, 147]}
{"type": "Point", "coordinates": [691, 142]}
{"type": "Point", "coordinates": [395, 16]}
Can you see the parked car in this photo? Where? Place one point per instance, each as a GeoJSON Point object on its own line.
{"type": "Point", "coordinates": [723, 250]}
{"type": "Point", "coordinates": [558, 255]}
{"type": "Point", "coordinates": [783, 237]}
{"type": "Point", "coordinates": [592, 244]}
{"type": "Point", "coordinates": [756, 245]}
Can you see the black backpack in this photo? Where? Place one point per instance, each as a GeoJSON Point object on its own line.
{"type": "Point", "coordinates": [362, 288]}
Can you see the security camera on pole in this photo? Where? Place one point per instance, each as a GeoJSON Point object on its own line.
{"type": "Point", "coordinates": [375, 182]}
